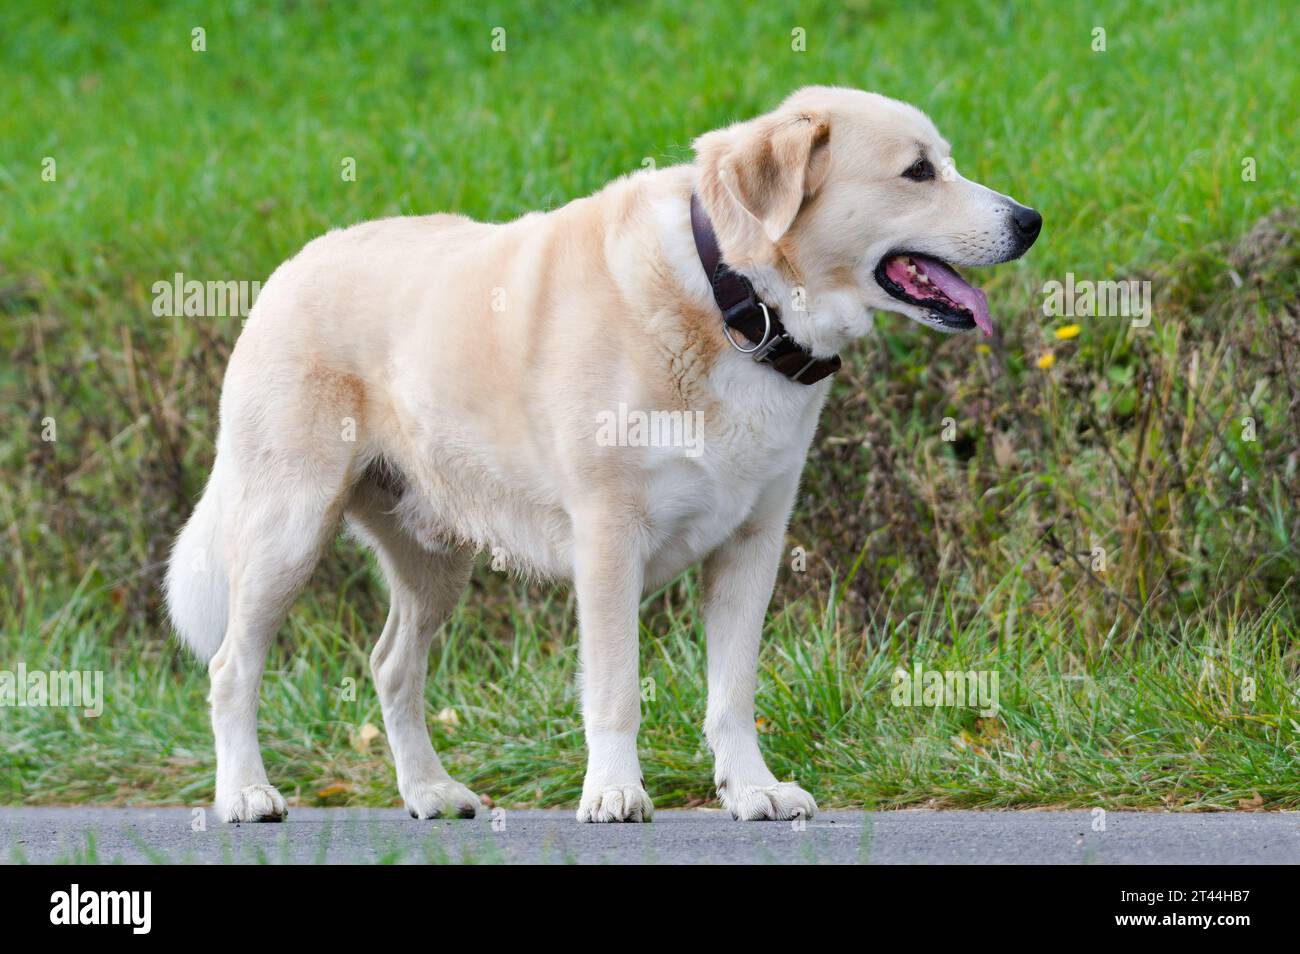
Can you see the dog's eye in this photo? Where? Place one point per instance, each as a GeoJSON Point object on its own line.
{"type": "Point", "coordinates": [919, 171]}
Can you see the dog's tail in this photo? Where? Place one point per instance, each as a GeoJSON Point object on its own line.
{"type": "Point", "coordinates": [198, 585]}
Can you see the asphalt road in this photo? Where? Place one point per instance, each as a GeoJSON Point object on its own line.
{"type": "Point", "coordinates": [340, 835]}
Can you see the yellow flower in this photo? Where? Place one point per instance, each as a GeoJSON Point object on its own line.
{"type": "Point", "coordinates": [982, 349]}
{"type": "Point", "coordinates": [1046, 360]}
{"type": "Point", "coordinates": [1067, 332]}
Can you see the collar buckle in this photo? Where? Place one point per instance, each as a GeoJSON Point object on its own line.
{"type": "Point", "coordinates": [762, 352]}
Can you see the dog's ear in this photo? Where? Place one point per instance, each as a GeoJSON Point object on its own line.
{"type": "Point", "coordinates": [764, 169]}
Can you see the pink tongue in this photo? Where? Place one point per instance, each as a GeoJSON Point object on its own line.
{"type": "Point", "coordinates": [956, 288]}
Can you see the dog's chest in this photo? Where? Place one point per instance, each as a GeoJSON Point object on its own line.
{"type": "Point", "coordinates": [696, 502]}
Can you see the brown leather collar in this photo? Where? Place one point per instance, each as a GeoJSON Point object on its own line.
{"type": "Point", "coordinates": [742, 310]}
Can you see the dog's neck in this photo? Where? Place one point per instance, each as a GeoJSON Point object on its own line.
{"type": "Point", "coordinates": [822, 320]}
{"type": "Point", "coordinates": [744, 312]}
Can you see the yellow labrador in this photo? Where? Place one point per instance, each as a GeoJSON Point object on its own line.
{"type": "Point", "coordinates": [603, 394]}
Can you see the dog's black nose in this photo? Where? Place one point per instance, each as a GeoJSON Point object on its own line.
{"type": "Point", "coordinates": [1028, 223]}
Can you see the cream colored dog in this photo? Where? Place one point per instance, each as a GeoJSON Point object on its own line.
{"type": "Point", "coordinates": [448, 387]}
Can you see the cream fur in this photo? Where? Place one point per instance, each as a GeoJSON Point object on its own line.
{"type": "Point", "coordinates": [438, 382]}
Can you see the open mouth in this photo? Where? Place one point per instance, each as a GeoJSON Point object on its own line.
{"type": "Point", "coordinates": [935, 286]}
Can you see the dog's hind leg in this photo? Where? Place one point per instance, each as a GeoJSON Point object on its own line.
{"type": "Point", "coordinates": [287, 454]}
{"type": "Point", "coordinates": [280, 528]}
{"type": "Point", "coordinates": [424, 587]}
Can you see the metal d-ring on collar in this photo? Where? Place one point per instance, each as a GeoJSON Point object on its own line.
{"type": "Point", "coordinates": [762, 342]}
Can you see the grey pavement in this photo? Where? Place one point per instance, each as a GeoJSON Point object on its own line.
{"type": "Point", "coordinates": [349, 835]}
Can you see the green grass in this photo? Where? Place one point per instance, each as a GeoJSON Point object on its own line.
{"type": "Point", "coordinates": [1206, 720]}
{"type": "Point", "coordinates": [1124, 686]}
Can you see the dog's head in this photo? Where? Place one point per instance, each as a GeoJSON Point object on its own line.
{"type": "Point", "coordinates": [855, 198]}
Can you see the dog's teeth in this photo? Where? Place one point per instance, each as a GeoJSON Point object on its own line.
{"type": "Point", "coordinates": [923, 279]}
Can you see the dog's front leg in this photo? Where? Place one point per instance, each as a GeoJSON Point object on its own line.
{"type": "Point", "coordinates": [608, 572]}
{"type": "Point", "coordinates": [739, 577]}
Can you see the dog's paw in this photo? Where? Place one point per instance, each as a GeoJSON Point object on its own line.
{"type": "Point", "coordinates": [444, 799]}
{"type": "Point", "coordinates": [780, 802]}
{"type": "Point", "coordinates": [253, 803]}
{"type": "Point", "coordinates": [623, 803]}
